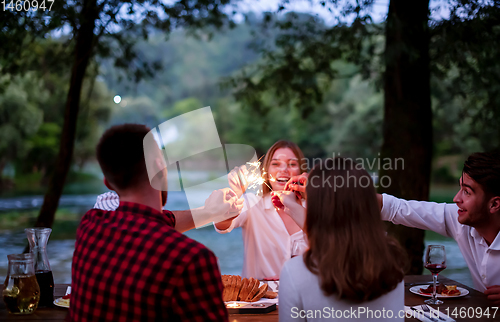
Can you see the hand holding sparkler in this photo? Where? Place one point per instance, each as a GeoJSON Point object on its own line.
{"type": "Point", "coordinates": [298, 185]}
{"type": "Point", "coordinates": [247, 177]}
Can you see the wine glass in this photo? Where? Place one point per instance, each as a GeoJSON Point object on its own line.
{"type": "Point", "coordinates": [435, 261]}
{"type": "Point", "coordinates": [299, 246]}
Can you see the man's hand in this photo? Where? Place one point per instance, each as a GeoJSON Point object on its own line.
{"type": "Point", "coordinates": [223, 201]}
{"type": "Point", "coordinates": [298, 183]}
{"type": "Point", "coordinates": [221, 204]}
{"type": "Point", "coordinates": [235, 206]}
{"type": "Point", "coordinates": [238, 180]}
{"type": "Point", "coordinates": [493, 293]}
{"type": "Point", "coordinates": [292, 206]}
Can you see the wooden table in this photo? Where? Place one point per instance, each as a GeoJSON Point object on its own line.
{"type": "Point", "coordinates": [474, 299]}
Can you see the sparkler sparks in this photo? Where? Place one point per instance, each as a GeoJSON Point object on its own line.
{"type": "Point", "coordinates": [254, 178]}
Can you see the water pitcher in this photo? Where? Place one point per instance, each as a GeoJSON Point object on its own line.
{"type": "Point", "coordinates": [21, 292]}
{"type": "Point", "coordinates": [38, 238]}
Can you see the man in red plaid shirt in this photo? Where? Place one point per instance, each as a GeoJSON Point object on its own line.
{"type": "Point", "coordinates": [131, 264]}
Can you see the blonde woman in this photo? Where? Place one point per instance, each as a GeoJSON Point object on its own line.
{"type": "Point", "coordinates": [270, 236]}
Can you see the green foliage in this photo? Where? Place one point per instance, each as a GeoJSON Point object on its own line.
{"type": "Point", "coordinates": [357, 118]}
{"type": "Point", "coordinates": [45, 146]}
{"type": "Point", "coordinates": [33, 127]}
{"type": "Point", "coordinates": [299, 64]}
{"type": "Point", "coordinates": [20, 117]}
{"type": "Point", "coordinates": [299, 67]}
{"type": "Point", "coordinates": [183, 106]}
{"type": "Point", "coordinates": [95, 112]}
{"type": "Point", "coordinates": [32, 115]}
{"type": "Point", "coordinates": [464, 53]}
{"type": "Point", "coordinates": [191, 67]}
{"type": "Point", "coordinates": [347, 121]}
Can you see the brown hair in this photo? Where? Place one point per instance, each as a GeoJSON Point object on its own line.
{"type": "Point", "coordinates": [269, 156]}
{"type": "Point", "coordinates": [484, 168]}
{"type": "Point", "coordinates": [120, 154]}
{"type": "Point", "coordinates": [349, 249]}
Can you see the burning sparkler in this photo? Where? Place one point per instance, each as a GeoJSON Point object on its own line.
{"type": "Point", "coordinates": [254, 178]}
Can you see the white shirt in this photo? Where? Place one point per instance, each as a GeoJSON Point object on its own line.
{"type": "Point", "coordinates": [267, 244]}
{"type": "Point", "coordinates": [107, 201]}
{"type": "Point", "coordinates": [301, 299]}
{"type": "Point", "coordinates": [483, 260]}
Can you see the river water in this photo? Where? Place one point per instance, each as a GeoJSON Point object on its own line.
{"type": "Point", "coordinates": [228, 247]}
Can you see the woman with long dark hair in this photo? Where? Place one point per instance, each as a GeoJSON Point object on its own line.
{"type": "Point", "coordinates": [351, 263]}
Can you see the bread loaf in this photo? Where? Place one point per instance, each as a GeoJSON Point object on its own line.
{"type": "Point", "coordinates": [246, 289]}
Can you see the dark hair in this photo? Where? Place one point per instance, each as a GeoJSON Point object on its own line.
{"type": "Point", "coordinates": [269, 156]}
{"type": "Point", "coordinates": [120, 153]}
{"type": "Point", "coordinates": [484, 168]}
{"type": "Point", "coordinates": [349, 249]}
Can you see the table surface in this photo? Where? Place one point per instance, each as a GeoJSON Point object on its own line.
{"type": "Point", "coordinates": [474, 299]}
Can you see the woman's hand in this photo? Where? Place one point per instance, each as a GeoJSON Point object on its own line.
{"type": "Point", "coordinates": [298, 184]}
{"type": "Point", "coordinates": [291, 205]}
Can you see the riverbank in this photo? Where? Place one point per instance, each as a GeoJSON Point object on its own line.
{"type": "Point", "coordinates": [228, 247]}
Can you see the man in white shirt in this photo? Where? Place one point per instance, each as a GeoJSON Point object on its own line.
{"type": "Point", "coordinates": [473, 221]}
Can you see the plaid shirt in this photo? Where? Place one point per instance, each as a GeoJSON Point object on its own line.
{"type": "Point", "coordinates": [132, 265]}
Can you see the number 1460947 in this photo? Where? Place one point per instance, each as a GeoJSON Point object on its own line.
{"type": "Point", "coordinates": [471, 312]}
{"type": "Point", "coordinates": [26, 5]}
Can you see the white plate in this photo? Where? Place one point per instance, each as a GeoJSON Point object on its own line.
{"type": "Point", "coordinates": [416, 290]}
{"type": "Point", "coordinates": [60, 305]}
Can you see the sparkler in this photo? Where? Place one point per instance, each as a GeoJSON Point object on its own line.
{"type": "Point", "coordinates": [254, 178]}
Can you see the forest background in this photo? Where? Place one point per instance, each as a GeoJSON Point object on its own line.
{"type": "Point", "coordinates": [347, 122]}
{"type": "Point", "coordinates": [343, 115]}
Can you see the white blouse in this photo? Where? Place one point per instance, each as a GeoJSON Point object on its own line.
{"type": "Point", "coordinates": [302, 299]}
{"type": "Point", "coordinates": [267, 243]}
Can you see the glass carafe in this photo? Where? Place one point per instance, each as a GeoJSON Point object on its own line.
{"type": "Point", "coordinates": [38, 238]}
{"type": "Point", "coordinates": [21, 292]}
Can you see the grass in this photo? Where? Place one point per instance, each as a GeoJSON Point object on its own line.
{"type": "Point", "coordinates": [64, 226]}
{"type": "Point", "coordinates": [76, 183]}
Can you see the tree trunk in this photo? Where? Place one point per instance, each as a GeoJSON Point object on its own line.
{"type": "Point", "coordinates": [83, 52]}
{"type": "Point", "coordinates": [407, 127]}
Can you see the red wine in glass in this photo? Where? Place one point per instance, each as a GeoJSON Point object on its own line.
{"type": "Point", "coordinates": [435, 261]}
{"type": "Point", "coordinates": [435, 268]}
